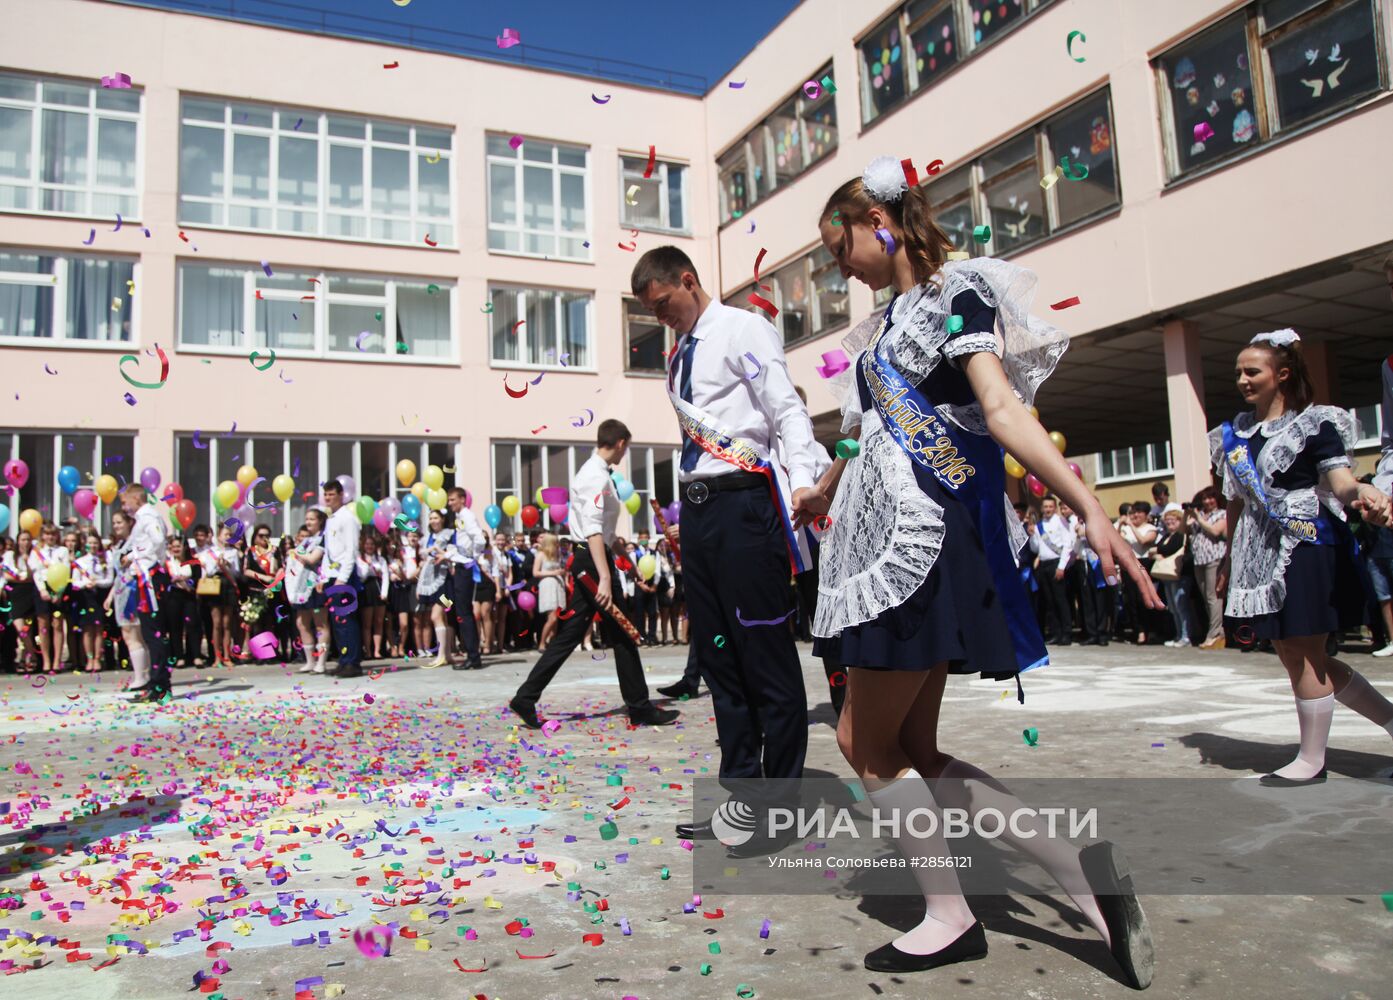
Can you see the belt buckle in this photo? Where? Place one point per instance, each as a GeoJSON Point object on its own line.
{"type": "Point", "coordinates": [698, 492]}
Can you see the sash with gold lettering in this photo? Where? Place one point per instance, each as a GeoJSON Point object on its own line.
{"type": "Point", "coordinates": [1321, 531]}
{"type": "Point", "coordinates": [970, 467]}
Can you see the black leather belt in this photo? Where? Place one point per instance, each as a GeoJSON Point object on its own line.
{"type": "Point", "coordinates": [701, 490]}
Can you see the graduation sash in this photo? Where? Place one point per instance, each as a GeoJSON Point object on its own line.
{"type": "Point", "coordinates": [1317, 531]}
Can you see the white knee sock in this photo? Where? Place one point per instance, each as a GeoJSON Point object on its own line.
{"type": "Point", "coordinates": [321, 652]}
{"type": "Point", "coordinates": [442, 640]}
{"type": "Point", "coordinates": [140, 666]}
{"type": "Point", "coordinates": [1361, 696]}
{"type": "Point", "coordinates": [947, 914]}
{"type": "Point", "coordinates": [1313, 715]}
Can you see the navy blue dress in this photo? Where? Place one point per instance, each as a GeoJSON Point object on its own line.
{"type": "Point", "coordinates": [1324, 588]}
{"type": "Point", "coordinates": [954, 616]}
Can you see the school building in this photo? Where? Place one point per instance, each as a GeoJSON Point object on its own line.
{"type": "Point", "coordinates": [354, 250]}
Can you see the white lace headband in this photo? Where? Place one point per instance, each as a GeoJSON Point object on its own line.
{"type": "Point", "coordinates": [1277, 338]}
{"type": "Point", "coordinates": [884, 180]}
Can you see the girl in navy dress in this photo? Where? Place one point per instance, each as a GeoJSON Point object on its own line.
{"type": "Point", "coordinates": [1290, 575]}
{"type": "Point", "coordinates": [918, 573]}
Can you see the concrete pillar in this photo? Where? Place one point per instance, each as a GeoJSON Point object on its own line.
{"type": "Point", "coordinates": [1321, 362]}
{"type": "Point", "coordinates": [1185, 399]}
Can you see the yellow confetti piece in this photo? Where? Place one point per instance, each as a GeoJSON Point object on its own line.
{"type": "Point", "coordinates": [335, 989]}
{"type": "Point", "coordinates": [492, 903]}
{"type": "Point", "coordinates": [418, 914]}
{"type": "Point", "coordinates": [656, 840]}
{"type": "Point", "coordinates": [422, 944]}
{"type": "Point", "coordinates": [732, 872]}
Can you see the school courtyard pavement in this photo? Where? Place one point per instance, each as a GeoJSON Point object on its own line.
{"type": "Point", "coordinates": [230, 843]}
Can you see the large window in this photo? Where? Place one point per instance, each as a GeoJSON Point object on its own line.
{"type": "Point", "coordinates": [285, 170]}
{"type": "Point", "coordinates": [309, 461]}
{"type": "Point", "coordinates": [68, 299]}
{"type": "Point", "coordinates": [1002, 187]}
{"type": "Point", "coordinates": [541, 328]}
{"type": "Point", "coordinates": [1139, 460]}
{"type": "Point", "coordinates": [307, 315]}
{"type": "Point", "coordinates": [648, 341]}
{"type": "Point", "coordinates": [1270, 67]}
{"type": "Point", "coordinates": [68, 148]}
{"type": "Point", "coordinates": [520, 469]}
{"type": "Point", "coordinates": [537, 198]}
{"type": "Point", "coordinates": [917, 44]}
{"type": "Point", "coordinates": [810, 294]}
{"type": "Point", "coordinates": [660, 201]}
{"type": "Point", "coordinates": [799, 134]}
{"type": "Point", "coordinates": [92, 453]}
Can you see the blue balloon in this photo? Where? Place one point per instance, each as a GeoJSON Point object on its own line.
{"type": "Point", "coordinates": [493, 515]}
{"type": "Point", "coordinates": [625, 490]}
{"type": "Point", "coordinates": [4, 519]}
{"type": "Point", "coordinates": [411, 507]}
{"type": "Point", "coordinates": [68, 479]}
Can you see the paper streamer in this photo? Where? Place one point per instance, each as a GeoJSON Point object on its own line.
{"type": "Point", "coordinates": [750, 623]}
{"type": "Point", "coordinates": [348, 605]}
{"type": "Point", "coordinates": [1069, 44]}
{"type": "Point", "coordinates": [652, 159]}
{"type": "Point", "coordinates": [164, 369]}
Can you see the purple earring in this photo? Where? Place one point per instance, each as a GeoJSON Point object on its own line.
{"type": "Point", "coordinates": [886, 240]}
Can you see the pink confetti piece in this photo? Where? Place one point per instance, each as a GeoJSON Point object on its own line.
{"type": "Point", "coordinates": [515, 141]}
{"type": "Point", "coordinates": [1204, 132]}
{"type": "Point", "coordinates": [509, 38]}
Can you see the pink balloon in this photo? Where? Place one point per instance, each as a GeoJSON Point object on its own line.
{"type": "Point", "coordinates": [263, 645]}
{"type": "Point", "coordinates": [85, 503]}
{"type": "Point", "coordinates": [527, 601]}
{"type": "Point", "coordinates": [17, 473]}
{"type": "Point", "coordinates": [558, 513]}
{"type": "Point", "coordinates": [1033, 484]}
{"type": "Point", "coordinates": [1074, 468]}
{"type": "Point", "coordinates": [381, 521]}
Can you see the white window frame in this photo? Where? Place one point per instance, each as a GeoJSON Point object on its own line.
{"type": "Point", "coordinates": [578, 453]}
{"type": "Point", "coordinates": [1158, 457]}
{"type": "Point", "coordinates": [631, 307]}
{"type": "Point", "coordinates": [631, 172]}
{"type": "Point", "coordinates": [54, 499]}
{"type": "Point", "coordinates": [94, 114]}
{"type": "Point", "coordinates": [282, 125]}
{"type": "Point", "coordinates": [386, 351]}
{"type": "Point", "coordinates": [58, 281]}
{"type": "Point", "coordinates": [517, 161]}
{"type": "Point", "coordinates": [524, 333]}
{"type": "Point", "coordinates": [1370, 431]}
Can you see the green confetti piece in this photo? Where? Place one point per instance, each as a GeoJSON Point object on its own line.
{"type": "Point", "coordinates": [744, 991]}
{"type": "Point", "coordinates": [591, 907]}
{"type": "Point", "coordinates": [714, 947]}
{"type": "Point", "coordinates": [1388, 901]}
{"type": "Point", "coordinates": [462, 931]}
{"type": "Point", "coordinates": [608, 831]}
{"type": "Point", "coordinates": [663, 874]}
{"type": "Point", "coordinates": [1031, 736]}
{"type": "Point", "coordinates": [633, 841]}
{"type": "Point", "coordinates": [614, 779]}
{"type": "Point", "coordinates": [573, 887]}
{"type": "Point", "coordinates": [600, 866]}
{"type": "Point", "coordinates": [828, 86]}
{"type": "Point", "coordinates": [706, 968]}
{"type": "Point", "coordinates": [955, 324]}
{"type": "Point", "coordinates": [982, 234]}
{"type": "Point", "coordinates": [848, 448]}
{"type": "Point", "coordinates": [720, 642]}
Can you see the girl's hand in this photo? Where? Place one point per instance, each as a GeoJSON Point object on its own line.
{"type": "Point", "coordinates": [1112, 552]}
{"type": "Point", "coordinates": [1373, 505]}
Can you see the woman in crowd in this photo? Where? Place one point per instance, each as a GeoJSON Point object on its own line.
{"type": "Point", "coordinates": [92, 579]}
{"type": "Point", "coordinates": [1139, 533]}
{"type": "Point", "coordinates": [374, 582]}
{"type": "Point", "coordinates": [258, 575]}
{"type": "Point", "coordinates": [491, 594]}
{"type": "Point", "coordinates": [48, 605]}
{"type": "Point", "coordinates": [431, 586]}
{"type": "Point", "coordinates": [551, 589]}
{"type": "Point", "coordinates": [402, 569]}
{"type": "Point", "coordinates": [1169, 570]}
{"type": "Point", "coordinates": [667, 628]}
{"type": "Point", "coordinates": [1208, 527]}
{"type": "Point", "coordinates": [302, 569]}
{"type": "Point", "coordinates": [22, 596]}
{"type": "Point", "coordinates": [181, 615]}
{"type": "Point", "coordinates": [69, 605]}
{"type": "Point", "coordinates": [223, 562]}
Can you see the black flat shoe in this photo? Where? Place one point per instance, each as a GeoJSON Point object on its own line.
{"type": "Point", "coordinates": [1110, 881]}
{"type": "Point", "coordinates": [678, 690]}
{"type": "Point", "coordinates": [970, 946]}
{"type": "Point", "coordinates": [696, 831]}
{"type": "Point", "coordinates": [655, 717]}
{"type": "Point", "coordinates": [527, 714]}
{"type": "Point", "coordinates": [1277, 781]}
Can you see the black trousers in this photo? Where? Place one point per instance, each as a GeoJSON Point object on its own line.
{"type": "Point", "coordinates": [154, 629]}
{"type": "Point", "coordinates": [1056, 598]}
{"type": "Point", "coordinates": [806, 585]}
{"type": "Point", "coordinates": [185, 626]}
{"type": "Point", "coordinates": [574, 626]}
{"type": "Point", "coordinates": [347, 628]}
{"type": "Point", "coordinates": [462, 593]}
{"type": "Point", "coordinates": [1088, 599]}
{"type": "Point", "coordinates": [736, 562]}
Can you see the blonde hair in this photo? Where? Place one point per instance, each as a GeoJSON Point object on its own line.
{"type": "Point", "coordinates": [925, 244]}
{"type": "Point", "coordinates": [550, 546]}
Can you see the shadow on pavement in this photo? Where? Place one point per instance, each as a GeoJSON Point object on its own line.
{"type": "Point", "coordinates": [26, 850]}
{"type": "Point", "coordinates": [1260, 758]}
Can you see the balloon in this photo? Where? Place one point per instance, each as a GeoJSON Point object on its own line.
{"type": "Point", "coordinates": [225, 496]}
{"type": "Point", "coordinates": [1074, 468]}
{"type": "Point", "coordinates": [527, 601]}
{"type": "Point", "coordinates": [57, 576]}
{"type": "Point", "coordinates": [350, 488]}
{"type": "Point", "coordinates": [391, 506]}
{"type": "Point", "coordinates": [419, 491]}
{"type": "Point", "coordinates": [30, 521]}
{"type": "Point", "coordinates": [433, 477]}
{"type": "Point", "coordinates": [1036, 487]}
{"type": "Point", "coordinates": [381, 520]}
{"type": "Point", "coordinates": [411, 507]}
{"type": "Point", "coordinates": [248, 518]}
{"type": "Point", "coordinates": [511, 505]}
{"type": "Point", "coordinates": [530, 516]}
{"type": "Point", "coordinates": [1014, 469]}
{"type": "Point", "coordinates": [85, 503]}
{"type": "Point", "coordinates": [365, 508]}
{"type": "Point", "coordinates": [173, 493]}
{"type": "Point", "coordinates": [1059, 441]}
{"type": "Point", "coordinates": [493, 516]}
{"type": "Point", "coordinates": [625, 489]}
{"type": "Point", "coordinates": [468, 499]}
{"type": "Point", "coordinates": [1034, 412]}
{"type": "Point", "coordinates": [4, 519]}
{"type": "Point", "coordinates": [184, 513]}
{"type": "Point", "coordinates": [647, 566]}
{"type": "Point", "coordinates": [106, 488]}
{"type": "Point", "coordinates": [150, 478]}
{"type": "Point", "coordinates": [558, 512]}
{"type": "Point", "coordinates": [674, 512]}
{"type": "Point", "coordinates": [283, 487]}
{"type": "Point", "coordinates": [406, 472]}
{"type": "Point", "coordinates": [633, 503]}
{"type": "Point", "coordinates": [537, 498]}
{"type": "Point", "coordinates": [68, 478]}
{"type": "Point", "coordinates": [246, 474]}
{"type": "Point", "coordinates": [435, 499]}
{"type": "Point", "coordinates": [16, 473]}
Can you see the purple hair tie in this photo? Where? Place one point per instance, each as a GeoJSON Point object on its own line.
{"type": "Point", "coordinates": [886, 240]}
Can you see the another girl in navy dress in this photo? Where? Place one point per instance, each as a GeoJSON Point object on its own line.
{"type": "Point", "coordinates": [918, 573]}
{"type": "Point", "coordinates": [1289, 575]}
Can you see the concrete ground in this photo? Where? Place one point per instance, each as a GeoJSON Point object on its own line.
{"type": "Point", "coordinates": [283, 812]}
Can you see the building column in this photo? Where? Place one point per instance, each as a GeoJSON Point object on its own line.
{"type": "Point", "coordinates": [1321, 363]}
{"type": "Point", "coordinates": [1185, 399]}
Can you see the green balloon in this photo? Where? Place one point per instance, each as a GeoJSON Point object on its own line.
{"type": "Point", "coordinates": [365, 508]}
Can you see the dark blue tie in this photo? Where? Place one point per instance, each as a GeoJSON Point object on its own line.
{"type": "Point", "coordinates": [691, 451]}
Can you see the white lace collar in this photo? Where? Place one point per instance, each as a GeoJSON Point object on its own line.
{"type": "Point", "coordinates": [1246, 424]}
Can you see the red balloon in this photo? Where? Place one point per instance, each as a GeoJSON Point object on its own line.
{"type": "Point", "coordinates": [1033, 484]}
{"type": "Point", "coordinates": [530, 516]}
{"type": "Point", "coordinates": [1074, 468]}
{"type": "Point", "coordinates": [185, 512]}
{"type": "Point", "coordinates": [173, 493]}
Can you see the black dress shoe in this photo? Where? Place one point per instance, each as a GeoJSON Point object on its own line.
{"type": "Point", "coordinates": [1091, 642]}
{"type": "Point", "coordinates": [696, 831]}
{"type": "Point", "coordinates": [1110, 881]}
{"type": "Point", "coordinates": [527, 713]}
{"type": "Point", "coordinates": [654, 717]}
{"type": "Point", "coordinates": [969, 946]}
{"type": "Point", "coordinates": [678, 690]}
{"type": "Point", "coordinates": [1277, 781]}
{"type": "Point", "coordinates": [346, 672]}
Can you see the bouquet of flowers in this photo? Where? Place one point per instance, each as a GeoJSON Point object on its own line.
{"type": "Point", "coordinates": [253, 607]}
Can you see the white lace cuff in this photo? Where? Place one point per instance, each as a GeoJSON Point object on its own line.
{"type": "Point", "coordinates": [959, 347]}
{"type": "Point", "coordinates": [1338, 462]}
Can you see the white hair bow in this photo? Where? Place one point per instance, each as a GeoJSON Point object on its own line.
{"type": "Point", "coordinates": [884, 179]}
{"type": "Point", "coordinates": [1277, 338]}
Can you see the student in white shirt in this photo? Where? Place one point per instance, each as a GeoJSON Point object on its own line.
{"type": "Point", "coordinates": [49, 552]}
{"type": "Point", "coordinates": [92, 579]}
{"type": "Point", "coordinates": [465, 574]}
{"type": "Point", "coordinates": [372, 571]}
{"type": "Point", "coordinates": [146, 555]}
{"type": "Point", "coordinates": [341, 570]}
{"type": "Point", "coordinates": [492, 569]}
{"type": "Point", "coordinates": [739, 546]}
{"type": "Point", "coordinates": [22, 596]}
{"type": "Point", "coordinates": [401, 572]}
{"type": "Point", "coordinates": [433, 585]}
{"type": "Point", "coordinates": [594, 514]}
{"type": "Point", "coordinates": [1054, 543]}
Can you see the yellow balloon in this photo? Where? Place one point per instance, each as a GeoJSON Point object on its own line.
{"type": "Point", "coordinates": [1014, 469]}
{"type": "Point", "coordinates": [283, 487]}
{"type": "Point", "coordinates": [406, 472]}
{"type": "Point", "coordinates": [1034, 413]}
{"type": "Point", "coordinates": [511, 505]}
{"type": "Point", "coordinates": [433, 477]}
{"type": "Point", "coordinates": [647, 566]}
{"type": "Point", "coordinates": [633, 503]}
{"type": "Point", "coordinates": [1059, 441]}
{"type": "Point", "coordinates": [106, 487]}
{"type": "Point", "coordinates": [57, 576]}
{"type": "Point", "coordinates": [419, 492]}
{"type": "Point", "coordinates": [30, 521]}
{"type": "Point", "coordinates": [246, 474]}
{"type": "Point", "coordinates": [226, 494]}
{"type": "Point", "coordinates": [435, 499]}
